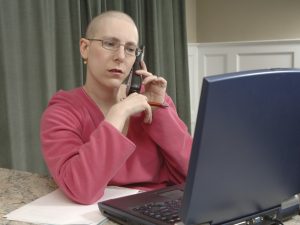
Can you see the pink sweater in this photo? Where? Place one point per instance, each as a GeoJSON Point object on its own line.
{"type": "Point", "coordinates": [84, 153]}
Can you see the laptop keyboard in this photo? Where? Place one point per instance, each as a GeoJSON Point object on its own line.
{"type": "Point", "coordinates": [167, 211]}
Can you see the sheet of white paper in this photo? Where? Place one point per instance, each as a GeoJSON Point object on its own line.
{"type": "Point", "coordinates": [56, 208]}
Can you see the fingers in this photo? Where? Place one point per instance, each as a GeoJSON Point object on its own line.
{"type": "Point", "coordinates": [136, 103]}
{"type": "Point", "coordinates": [149, 77]}
{"type": "Point", "coordinates": [148, 114]}
{"type": "Point", "coordinates": [143, 65]}
{"type": "Point", "coordinates": [147, 110]}
{"type": "Point", "coordinates": [155, 80]}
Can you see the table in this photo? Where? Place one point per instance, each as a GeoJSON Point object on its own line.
{"type": "Point", "coordinates": [18, 188]}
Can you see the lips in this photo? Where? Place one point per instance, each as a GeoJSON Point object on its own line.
{"type": "Point", "coordinates": [115, 71]}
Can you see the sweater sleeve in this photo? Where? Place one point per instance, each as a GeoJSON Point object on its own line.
{"type": "Point", "coordinates": [81, 169]}
{"type": "Point", "coordinates": [174, 140]}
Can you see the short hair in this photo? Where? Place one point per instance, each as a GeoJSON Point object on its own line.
{"type": "Point", "coordinates": [92, 27]}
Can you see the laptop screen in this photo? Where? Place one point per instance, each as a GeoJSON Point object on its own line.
{"type": "Point", "coordinates": [246, 151]}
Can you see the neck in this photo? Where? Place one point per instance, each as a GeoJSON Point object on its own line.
{"type": "Point", "coordinates": [105, 97]}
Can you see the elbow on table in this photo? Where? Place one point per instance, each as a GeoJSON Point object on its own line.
{"type": "Point", "coordinates": [81, 194]}
{"type": "Point", "coordinates": [84, 197]}
{"type": "Point", "coordinates": [83, 191]}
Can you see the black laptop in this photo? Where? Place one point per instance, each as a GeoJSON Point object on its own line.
{"type": "Point", "coordinates": [245, 158]}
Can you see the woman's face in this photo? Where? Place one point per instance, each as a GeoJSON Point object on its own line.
{"type": "Point", "coordinates": [109, 68]}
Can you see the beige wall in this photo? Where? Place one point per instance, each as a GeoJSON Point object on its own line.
{"type": "Point", "coordinates": [242, 20]}
{"type": "Point", "coordinates": [191, 20]}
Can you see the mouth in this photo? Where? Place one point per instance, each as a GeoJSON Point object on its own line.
{"type": "Point", "coordinates": [116, 71]}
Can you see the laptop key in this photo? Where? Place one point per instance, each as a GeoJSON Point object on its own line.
{"type": "Point", "coordinates": [164, 211]}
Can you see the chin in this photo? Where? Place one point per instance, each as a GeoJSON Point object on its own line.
{"type": "Point", "coordinates": [115, 83]}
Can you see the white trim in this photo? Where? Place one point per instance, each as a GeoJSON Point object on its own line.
{"type": "Point", "coordinates": [207, 59]}
{"type": "Point", "coordinates": [243, 43]}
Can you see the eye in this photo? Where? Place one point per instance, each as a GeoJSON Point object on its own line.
{"type": "Point", "coordinates": [131, 49]}
{"type": "Point", "coordinates": [110, 44]}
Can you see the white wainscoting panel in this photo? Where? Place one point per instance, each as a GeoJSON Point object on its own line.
{"type": "Point", "coordinates": [206, 59]}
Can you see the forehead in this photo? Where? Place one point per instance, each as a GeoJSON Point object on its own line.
{"type": "Point", "coordinates": [119, 28]}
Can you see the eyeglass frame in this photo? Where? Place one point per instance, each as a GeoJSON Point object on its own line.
{"type": "Point", "coordinates": [138, 50]}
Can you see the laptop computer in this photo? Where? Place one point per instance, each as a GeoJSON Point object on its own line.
{"type": "Point", "coordinates": [245, 158]}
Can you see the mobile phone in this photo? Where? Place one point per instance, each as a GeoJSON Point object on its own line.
{"type": "Point", "coordinates": [134, 83]}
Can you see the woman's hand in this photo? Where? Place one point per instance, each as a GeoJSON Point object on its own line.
{"type": "Point", "coordinates": [134, 103]}
{"type": "Point", "coordinates": [155, 91]}
{"type": "Point", "coordinates": [155, 86]}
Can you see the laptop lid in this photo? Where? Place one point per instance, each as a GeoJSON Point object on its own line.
{"type": "Point", "coordinates": [246, 151]}
{"type": "Point", "coordinates": [245, 158]}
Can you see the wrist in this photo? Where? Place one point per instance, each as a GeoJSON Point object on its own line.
{"type": "Point", "coordinates": [116, 117]}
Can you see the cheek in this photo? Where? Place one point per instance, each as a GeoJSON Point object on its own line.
{"type": "Point", "coordinates": [95, 56]}
{"type": "Point", "coordinates": [128, 71]}
{"type": "Point", "coordinates": [130, 64]}
{"type": "Point", "coordinates": [96, 60]}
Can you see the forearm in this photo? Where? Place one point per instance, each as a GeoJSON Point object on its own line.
{"type": "Point", "coordinates": [83, 170]}
{"type": "Point", "coordinates": [172, 136]}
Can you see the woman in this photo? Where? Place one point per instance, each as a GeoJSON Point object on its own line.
{"type": "Point", "coordinates": [95, 135]}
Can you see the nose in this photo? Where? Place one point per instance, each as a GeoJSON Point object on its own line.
{"type": "Point", "coordinates": [120, 53]}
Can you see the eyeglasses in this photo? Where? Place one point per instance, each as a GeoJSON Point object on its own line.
{"type": "Point", "coordinates": [113, 44]}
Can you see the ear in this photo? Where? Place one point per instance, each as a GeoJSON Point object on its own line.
{"type": "Point", "coordinates": [84, 48]}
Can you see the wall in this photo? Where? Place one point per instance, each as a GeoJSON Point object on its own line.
{"type": "Point", "coordinates": [242, 20]}
{"type": "Point", "coordinates": [241, 29]}
{"type": "Point", "coordinates": [191, 20]}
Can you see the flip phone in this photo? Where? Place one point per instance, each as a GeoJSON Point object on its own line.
{"type": "Point", "coordinates": [135, 81]}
